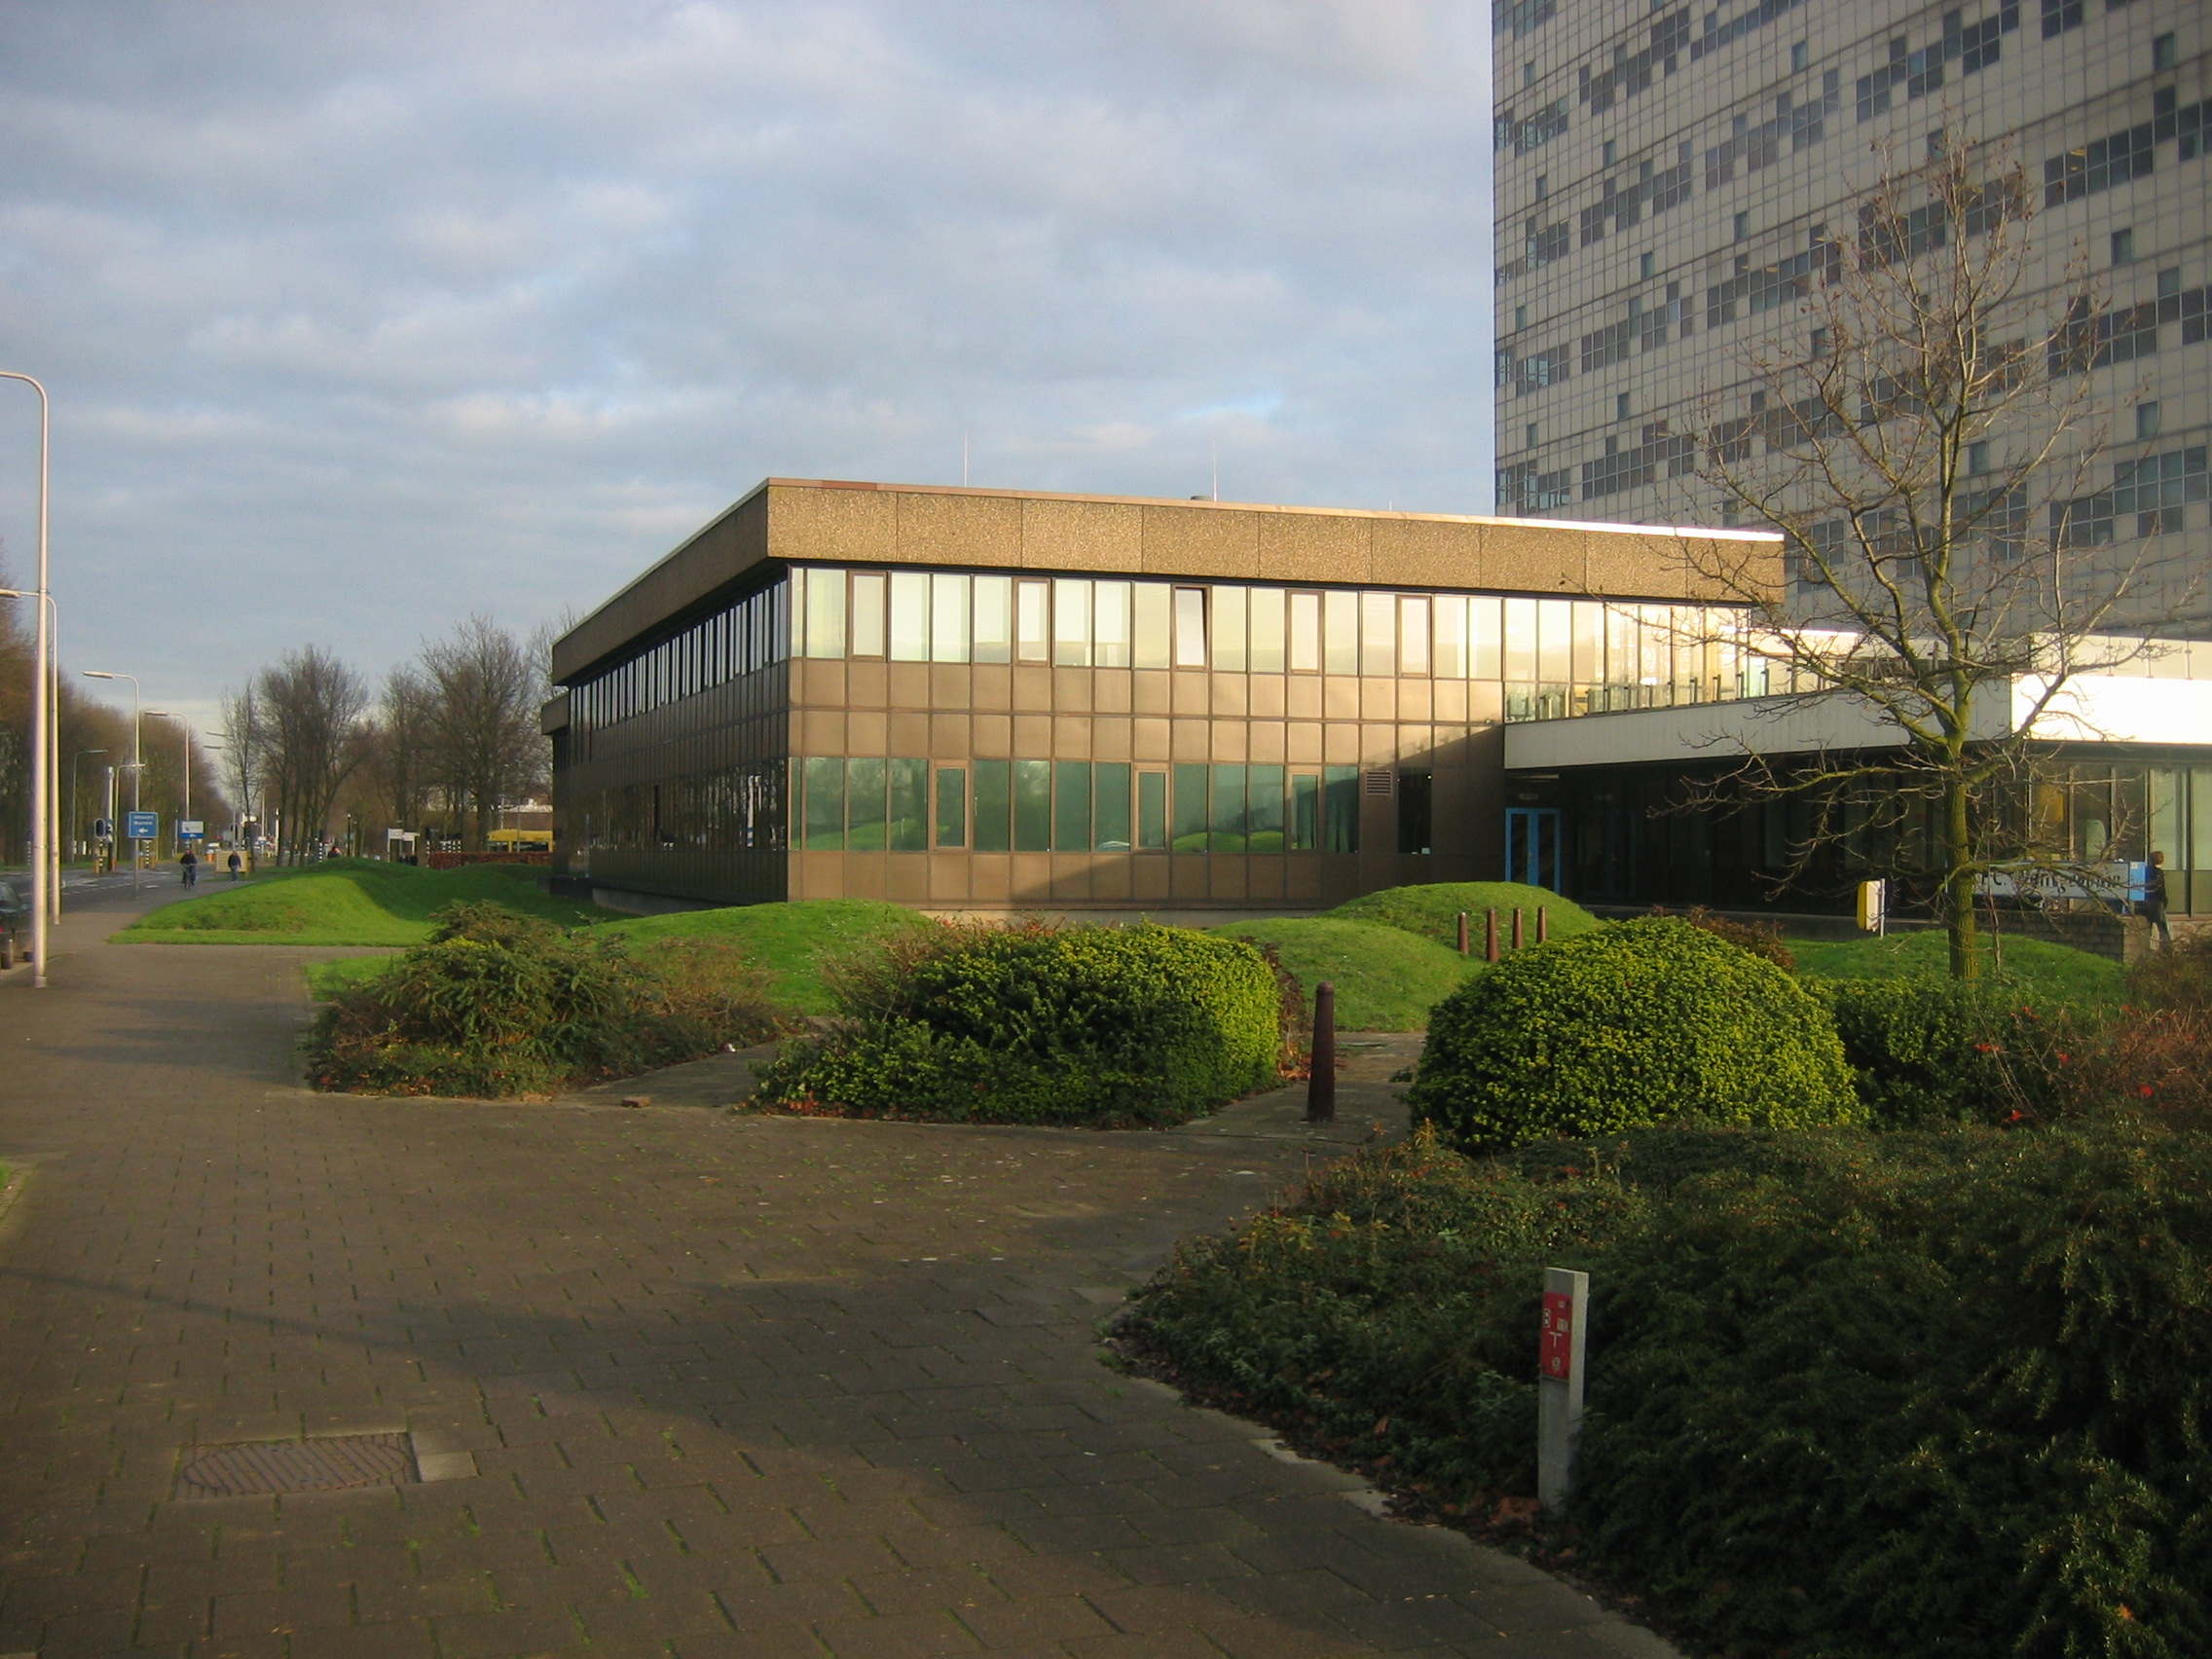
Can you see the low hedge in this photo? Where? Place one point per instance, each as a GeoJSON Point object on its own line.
{"type": "Point", "coordinates": [1926, 1052]}
{"type": "Point", "coordinates": [1040, 1025]}
{"type": "Point", "coordinates": [1850, 1396]}
{"type": "Point", "coordinates": [1640, 1023]}
{"type": "Point", "coordinates": [500, 1004]}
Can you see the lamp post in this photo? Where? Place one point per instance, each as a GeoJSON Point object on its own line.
{"type": "Point", "coordinates": [49, 613]}
{"type": "Point", "coordinates": [135, 765]}
{"type": "Point", "coordinates": [41, 703]}
{"type": "Point", "coordinates": [74, 820]}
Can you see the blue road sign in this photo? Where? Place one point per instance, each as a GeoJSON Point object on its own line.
{"type": "Point", "coordinates": [142, 826]}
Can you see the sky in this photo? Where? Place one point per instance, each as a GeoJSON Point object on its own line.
{"type": "Point", "coordinates": [358, 318]}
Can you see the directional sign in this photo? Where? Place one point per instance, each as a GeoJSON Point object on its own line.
{"type": "Point", "coordinates": [192, 829]}
{"type": "Point", "coordinates": [142, 826]}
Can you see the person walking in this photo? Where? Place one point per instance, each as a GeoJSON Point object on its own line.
{"type": "Point", "coordinates": [189, 861]}
{"type": "Point", "coordinates": [2154, 905]}
{"type": "Point", "coordinates": [236, 864]}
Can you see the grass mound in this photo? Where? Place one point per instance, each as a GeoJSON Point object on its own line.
{"type": "Point", "coordinates": [1387, 980]}
{"type": "Point", "coordinates": [498, 1004]}
{"type": "Point", "coordinates": [1854, 1396]}
{"type": "Point", "coordinates": [2057, 974]}
{"type": "Point", "coordinates": [1432, 910]}
{"type": "Point", "coordinates": [791, 943]}
{"type": "Point", "coordinates": [348, 902]}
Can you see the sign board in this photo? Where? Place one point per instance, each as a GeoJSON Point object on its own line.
{"type": "Point", "coordinates": [192, 829]}
{"type": "Point", "coordinates": [142, 826]}
{"type": "Point", "coordinates": [1873, 907]}
{"type": "Point", "coordinates": [2115, 883]}
{"type": "Point", "coordinates": [1555, 1351]}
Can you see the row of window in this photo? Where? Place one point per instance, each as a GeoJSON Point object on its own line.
{"type": "Point", "coordinates": [2153, 493]}
{"type": "Point", "coordinates": [1973, 47]}
{"type": "Point", "coordinates": [2094, 340]}
{"type": "Point", "coordinates": [907, 805]}
{"type": "Point", "coordinates": [2130, 154]}
{"type": "Point", "coordinates": [748, 635]}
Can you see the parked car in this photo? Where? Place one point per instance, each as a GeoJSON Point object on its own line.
{"type": "Point", "coordinates": [15, 925]}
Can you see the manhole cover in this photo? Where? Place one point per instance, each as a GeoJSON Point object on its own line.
{"type": "Point", "coordinates": [299, 1465]}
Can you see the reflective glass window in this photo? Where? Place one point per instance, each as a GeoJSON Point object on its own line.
{"type": "Point", "coordinates": [1071, 623]}
{"type": "Point", "coordinates": [1110, 624]}
{"type": "Point", "coordinates": [1266, 652]}
{"type": "Point", "coordinates": [1555, 640]}
{"type": "Point", "coordinates": [1520, 642]}
{"type": "Point", "coordinates": [825, 613]}
{"type": "Point", "coordinates": [994, 602]}
{"type": "Point", "coordinates": [1589, 663]}
{"type": "Point", "coordinates": [951, 807]}
{"type": "Point", "coordinates": [1339, 632]}
{"type": "Point", "coordinates": [1190, 627]}
{"type": "Point", "coordinates": [994, 805]}
{"type": "Point", "coordinates": [1306, 633]}
{"type": "Point", "coordinates": [908, 784]}
{"type": "Point", "coordinates": [1154, 603]}
{"type": "Point", "coordinates": [1029, 616]}
{"type": "Point", "coordinates": [1190, 810]}
{"type": "Point", "coordinates": [1032, 806]}
{"type": "Point", "coordinates": [1263, 809]}
{"type": "Point", "coordinates": [1305, 812]}
{"type": "Point", "coordinates": [1228, 810]}
{"type": "Point", "coordinates": [1450, 661]}
{"type": "Point", "coordinates": [909, 616]}
{"type": "Point", "coordinates": [1413, 634]}
{"type": "Point", "coordinates": [948, 618]}
{"type": "Point", "coordinates": [1486, 637]}
{"type": "Point", "coordinates": [1110, 807]}
{"type": "Point", "coordinates": [825, 802]}
{"type": "Point", "coordinates": [1229, 630]}
{"type": "Point", "coordinates": [1152, 811]}
{"type": "Point", "coordinates": [1340, 823]}
{"type": "Point", "coordinates": [1379, 633]}
{"type": "Point", "coordinates": [1071, 807]}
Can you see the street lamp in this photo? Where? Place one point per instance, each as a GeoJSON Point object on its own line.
{"type": "Point", "coordinates": [135, 768]}
{"type": "Point", "coordinates": [42, 705]}
{"type": "Point", "coordinates": [50, 610]}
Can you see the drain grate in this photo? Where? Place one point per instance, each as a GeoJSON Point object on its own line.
{"type": "Point", "coordinates": [300, 1466]}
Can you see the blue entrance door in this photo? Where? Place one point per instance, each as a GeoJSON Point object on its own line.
{"type": "Point", "coordinates": [1531, 845]}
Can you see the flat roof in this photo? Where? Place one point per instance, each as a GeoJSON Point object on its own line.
{"type": "Point", "coordinates": [835, 521]}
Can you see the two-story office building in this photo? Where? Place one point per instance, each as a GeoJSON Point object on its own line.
{"type": "Point", "coordinates": [990, 700]}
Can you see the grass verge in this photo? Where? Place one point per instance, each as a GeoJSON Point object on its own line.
{"type": "Point", "coordinates": [348, 902]}
{"type": "Point", "coordinates": [1386, 979]}
{"type": "Point", "coordinates": [791, 943]}
{"type": "Point", "coordinates": [1432, 910]}
{"type": "Point", "coordinates": [2056, 973]}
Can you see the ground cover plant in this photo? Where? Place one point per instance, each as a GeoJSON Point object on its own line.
{"type": "Point", "coordinates": [499, 1003]}
{"type": "Point", "coordinates": [1386, 978]}
{"type": "Point", "coordinates": [348, 901]}
{"type": "Point", "coordinates": [1432, 910]}
{"type": "Point", "coordinates": [794, 943]}
{"type": "Point", "coordinates": [1852, 1395]}
{"type": "Point", "coordinates": [1638, 1023]}
{"type": "Point", "coordinates": [1037, 1023]}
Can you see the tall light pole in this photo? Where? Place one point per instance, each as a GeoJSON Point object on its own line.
{"type": "Point", "coordinates": [49, 612]}
{"type": "Point", "coordinates": [42, 746]}
{"type": "Point", "coordinates": [135, 767]}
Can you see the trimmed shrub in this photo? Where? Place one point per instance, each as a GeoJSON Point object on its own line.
{"type": "Point", "coordinates": [500, 1004]}
{"type": "Point", "coordinates": [1926, 1052]}
{"type": "Point", "coordinates": [1040, 1025]}
{"type": "Point", "coordinates": [1432, 910]}
{"type": "Point", "coordinates": [1761, 939]}
{"type": "Point", "coordinates": [1642, 1024]}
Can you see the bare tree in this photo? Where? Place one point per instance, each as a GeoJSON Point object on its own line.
{"type": "Point", "coordinates": [484, 688]}
{"type": "Point", "coordinates": [242, 760]}
{"type": "Point", "coordinates": [1922, 436]}
{"type": "Point", "coordinates": [403, 757]}
{"type": "Point", "coordinates": [306, 715]}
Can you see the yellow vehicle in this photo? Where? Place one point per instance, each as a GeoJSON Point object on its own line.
{"type": "Point", "coordinates": [521, 840]}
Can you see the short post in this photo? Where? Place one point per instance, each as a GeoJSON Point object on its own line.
{"type": "Point", "coordinates": [1321, 1073]}
{"type": "Point", "coordinates": [1462, 932]}
{"type": "Point", "coordinates": [1516, 927]}
{"type": "Point", "coordinates": [1543, 919]}
{"type": "Point", "coordinates": [1489, 938]}
{"type": "Point", "coordinates": [1560, 1362]}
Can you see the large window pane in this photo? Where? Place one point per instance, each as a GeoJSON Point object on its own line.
{"type": "Point", "coordinates": [1305, 812]}
{"type": "Point", "coordinates": [1267, 631]}
{"type": "Point", "coordinates": [1263, 809]}
{"type": "Point", "coordinates": [825, 804]}
{"type": "Point", "coordinates": [1071, 623]}
{"type": "Point", "coordinates": [1032, 806]}
{"type": "Point", "coordinates": [2200, 820]}
{"type": "Point", "coordinates": [1486, 637]}
{"type": "Point", "coordinates": [1071, 807]}
{"type": "Point", "coordinates": [1450, 659]}
{"type": "Point", "coordinates": [1339, 630]}
{"type": "Point", "coordinates": [1152, 811]}
{"type": "Point", "coordinates": [994, 805]}
{"type": "Point", "coordinates": [1306, 633]}
{"type": "Point", "coordinates": [1229, 630]}
{"type": "Point", "coordinates": [825, 613]}
{"type": "Point", "coordinates": [910, 616]}
{"type": "Point", "coordinates": [1520, 642]}
{"type": "Point", "coordinates": [1190, 828]}
{"type": "Point", "coordinates": [1190, 627]}
{"type": "Point", "coordinates": [1621, 654]}
{"type": "Point", "coordinates": [1555, 639]}
{"type": "Point", "coordinates": [863, 806]}
{"type": "Point", "coordinates": [951, 807]}
{"type": "Point", "coordinates": [1029, 616]}
{"type": "Point", "coordinates": [1154, 602]}
{"type": "Point", "coordinates": [1110, 808]}
{"type": "Point", "coordinates": [948, 618]}
{"type": "Point", "coordinates": [1379, 633]}
{"type": "Point", "coordinates": [994, 618]}
{"type": "Point", "coordinates": [1413, 636]}
{"type": "Point", "coordinates": [1110, 624]}
{"type": "Point", "coordinates": [1228, 809]}
{"type": "Point", "coordinates": [1340, 827]}
{"type": "Point", "coordinates": [910, 789]}
{"type": "Point", "coordinates": [1589, 666]}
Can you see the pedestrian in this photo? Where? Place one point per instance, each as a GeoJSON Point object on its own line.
{"type": "Point", "coordinates": [2154, 905]}
{"type": "Point", "coordinates": [236, 864]}
{"type": "Point", "coordinates": [191, 865]}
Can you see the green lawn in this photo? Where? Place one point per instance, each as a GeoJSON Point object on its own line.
{"type": "Point", "coordinates": [1433, 911]}
{"type": "Point", "coordinates": [348, 902]}
{"type": "Point", "coordinates": [325, 979]}
{"type": "Point", "coordinates": [1387, 980]}
{"type": "Point", "coordinates": [790, 942]}
{"type": "Point", "coordinates": [2056, 972]}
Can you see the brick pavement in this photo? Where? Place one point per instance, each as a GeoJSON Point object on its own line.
{"type": "Point", "coordinates": [695, 1384]}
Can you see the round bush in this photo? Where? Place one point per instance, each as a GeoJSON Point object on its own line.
{"type": "Point", "coordinates": [1642, 1024]}
{"type": "Point", "coordinates": [1039, 1024]}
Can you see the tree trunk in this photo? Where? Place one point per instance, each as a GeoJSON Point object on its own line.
{"type": "Point", "coordinates": [1958, 882]}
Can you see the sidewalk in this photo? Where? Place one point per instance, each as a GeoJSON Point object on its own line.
{"type": "Point", "coordinates": [679, 1383]}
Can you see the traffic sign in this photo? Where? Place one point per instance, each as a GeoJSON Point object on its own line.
{"type": "Point", "coordinates": [192, 829]}
{"type": "Point", "coordinates": [142, 826]}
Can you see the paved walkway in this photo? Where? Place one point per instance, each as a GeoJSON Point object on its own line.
{"type": "Point", "coordinates": [687, 1383]}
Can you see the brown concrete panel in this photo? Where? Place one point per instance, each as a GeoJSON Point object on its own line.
{"type": "Point", "coordinates": [867, 684]}
{"type": "Point", "coordinates": [1033, 736]}
{"type": "Point", "coordinates": [1302, 878]}
{"type": "Point", "coordinates": [1032, 878]}
{"type": "Point", "coordinates": [1229, 696]}
{"type": "Point", "coordinates": [1378, 745]}
{"type": "Point", "coordinates": [1377, 699]}
{"type": "Point", "coordinates": [1532, 559]}
{"type": "Point", "coordinates": [1301, 547]}
{"type": "Point", "coordinates": [1263, 877]}
{"type": "Point", "coordinates": [990, 685]}
{"type": "Point", "coordinates": [910, 735]}
{"type": "Point", "coordinates": [1110, 690]}
{"type": "Point", "coordinates": [990, 878]}
{"type": "Point", "coordinates": [1265, 696]}
{"type": "Point", "coordinates": [1415, 553]}
{"type": "Point", "coordinates": [1340, 744]}
{"type": "Point", "coordinates": [1193, 740]}
{"type": "Point", "coordinates": [949, 685]}
{"type": "Point", "coordinates": [1229, 743]}
{"type": "Point", "coordinates": [863, 875]}
{"type": "Point", "coordinates": [1415, 745]}
{"type": "Point", "coordinates": [1150, 876]}
{"type": "Point", "coordinates": [834, 526]}
{"type": "Point", "coordinates": [1150, 692]}
{"type": "Point", "coordinates": [1071, 737]}
{"type": "Point", "coordinates": [1301, 697]}
{"type": "Point", "coordinates": [949, 737]}
{"type": "Point", "coordinates": [994, 736]}
{"type": "Point", "coordinates": [1194, 695]}
{"type": "Point", "coordinates": [1449, 699]}
{"type": "Point", "coordinates": [1110, 740]}
{"type": "Point", "coordinates": [958, 530]}
{"type": "Point", "coordinates": [819, 685]}
{"type": "Point", "coordinates": [1113, 878]}
{"type": "Point", "coordinates": [948, 879]}
{"type": "Point", "coordinates": [825, 732]}
{"type": "Point", "coordinates": [1417, 699]}
{"type": "Point", "coordinates": [1071, 878]}
{"type": "Point", "coordinates": [1082, 536]}
{"type": "Point", "coordinates": [909, 687]}
{"type": "Point", "coordinates": [817, 876]}
{"type": "Point", "coordinates": [1485, 702]}
{"type": "Point", "coordinates": [1033, 689]}
{"type": "Point", "coordinates": [906, 878]}
{"type": "Point", "coordinates": [1301, 743]}
{"type": "Point", "coordinates": [1149, 740]}
{"type": "Point", "coordinates": [1071, 690]}
{"type": "Point", "coordinates": [1340, 698]}
{"type": "Point", "coordinates": [1266, 742]}
{"type": "Point", "coordinates": [1227, 878]}
{"type": "Point", "coordinates": [1187, 876]}
{"type": "Point", "coordinates": [1201, 542]}
{"type": "Point", "coordinates": [867, 731]}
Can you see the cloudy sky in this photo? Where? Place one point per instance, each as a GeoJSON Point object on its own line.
{"type": "Point", "coordinates": [359, 317]}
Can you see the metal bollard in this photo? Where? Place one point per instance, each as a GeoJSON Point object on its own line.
{"type": "Point", "coordinates": [1543, 918]}
{"type": "Point", "coordinates": [1321, 1073]}
{"type": "Point", "coordinates": [1462, 932]}
{"type": "Point", "coordinates": [1516, 927]}
{"type": "Point", "coordinates": [1489, 938]}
